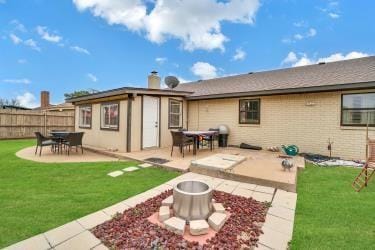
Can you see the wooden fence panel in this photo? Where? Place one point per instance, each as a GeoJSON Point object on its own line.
{"type": "Point", "coordinates": [23, 123]}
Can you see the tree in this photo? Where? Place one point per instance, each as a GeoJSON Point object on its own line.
{"type": "Point", "coordinates": [11, 102]}
{"type": "Point", "coordinates": [78, 93]}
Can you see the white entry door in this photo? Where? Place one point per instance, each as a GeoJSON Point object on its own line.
{"type": "Point", "coordinates": [150, 122]}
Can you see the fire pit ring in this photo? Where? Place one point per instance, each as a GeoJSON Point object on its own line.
{"type": "Point", "coordinates": [192, 200]}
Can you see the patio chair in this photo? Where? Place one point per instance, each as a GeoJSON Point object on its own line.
{"type": "Point", "coordinates": [181, 141]}
{"type": "Point", "coordinates": [42, 141]}
{"type": "Point", "coordinates": [73, 140]}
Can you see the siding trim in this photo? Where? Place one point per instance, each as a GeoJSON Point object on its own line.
{"type": "Point", "coordinates": [129, 124]}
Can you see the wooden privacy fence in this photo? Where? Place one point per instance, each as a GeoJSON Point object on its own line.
{"type": "Point", "coordinates": [23, 123]}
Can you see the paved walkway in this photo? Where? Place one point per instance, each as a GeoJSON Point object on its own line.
{"type": "Point", "coordinates": [277, 229]}
{"type": "Point", "coordinates": [49, 157]}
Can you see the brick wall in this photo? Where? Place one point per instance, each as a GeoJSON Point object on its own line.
{"type": "Point", "coordinates": [286, 119]}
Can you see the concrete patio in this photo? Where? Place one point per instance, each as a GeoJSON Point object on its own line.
{"type": "Point", "coordinates": [259, 167]}
{"type": "Point", "coordinates": [278, 227]}
{"type": "Point", "coordinates": [50, 157]}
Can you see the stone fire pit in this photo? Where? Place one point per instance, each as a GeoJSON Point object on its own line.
{"type": "Point", "coordinates": [193, 206]}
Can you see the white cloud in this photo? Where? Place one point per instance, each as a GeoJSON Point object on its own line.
{"type": "Point", "coordinates": [92, 77]}
{"type": "Point", "coordinates": [196, 23]}
{"type": "Point", "coordinates": [300, 24]}
{"type": "Point", "coordinates": [239, 55]}
{"type": "Point", "coordinates": [18, 26]}
{"type": "Point", "coordinates": [29, 42]}
{"type": "Point", "coordinates": [332, 9]}
{"type": "Point", "coordinates": [43, 32]}
{"type": "Point", "coordinates": [312, 32]}
{"type": "Point", "coordinates": [297, 37]}
{"type": "Point", "coordinates": [32, 44]}
{"type": "Point", "coordinates": [27, 100]}
{"type": "Point", "coordinates": [333, 15]}
{"type": "Point", "coordinates": [303, 60]}
{"type": "Point", "coordinates": [160, 60]}
{"type": "Point", "coordinates": [15, 39]}
{"type": "Point", "coordinates": [80, 50]}
{"type": "Point", "coordinates": [204, 70]}
{"type": "Point", "coordinates": [20, 80]}
{"type": "Point", "coordinates": [22, 61]}
{"type": "Point", "coordinates": [290, 58]}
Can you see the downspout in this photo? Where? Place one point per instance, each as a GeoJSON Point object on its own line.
{"type": "Point", "coordinates": [187, 114]}
{"type": "Point", "coordinates": [129, 123]}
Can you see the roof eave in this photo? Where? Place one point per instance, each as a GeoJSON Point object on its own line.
{"type": "Point", "coordinates": [104, 94]}
{"type": "Point", "coordinates": [317, 89]}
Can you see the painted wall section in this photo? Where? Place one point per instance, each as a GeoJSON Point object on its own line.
{"type": "Point", "coordinates": [307, 120]}
{"type": "Point", "coordinates": [165, 136]}
{"type": "Point", "coordinates": [107, 139]}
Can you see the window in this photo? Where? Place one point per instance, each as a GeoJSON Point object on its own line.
{"type": "Point", "coordinates": [175, 113]}
{"type": "Point", "coordinates": [85, 116]}
{"type": "Point", "coordinates": [110, 116]}
{"type": "Point", "coordinates": [357, 109]}
{"type": "Point", "coordinates": [249, 111]}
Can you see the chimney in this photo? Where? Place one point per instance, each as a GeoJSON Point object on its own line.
{"type": "Point", "coordinates": [44, 99]}
{"type": "Point", "coordinates": [154, 80]}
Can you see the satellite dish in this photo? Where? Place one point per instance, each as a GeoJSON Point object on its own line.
{"type": "Point", "coordinates": [171, 81]}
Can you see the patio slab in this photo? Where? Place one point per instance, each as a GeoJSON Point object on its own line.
{"type": "Point", "coordinates": [243, 192]}
{"type": "Point", "coordinates": [130, 169]}
{"type": "Point", "coordinates": [219, 161]}
{"type": "Point", "coordinates": [114, 209]}
{"type": "Point", "coordinates": [278, 224]}
{"type": "Point", "coordinates": [63, 233]}
{"type": "Point", "coordinates": [38, 242]}
{"type": "Point", "coordinates": [282, 212]}
{"type": "Point", "coordinates": [83, 241]}
{"type": "Point", "coordinates": [285, 199]}
{"type": "Point", "coordinates": [115, 173]}
{"type": "Point", "coordinates": [49, 157]}
{"type": "Point", "coordinates": [145, 165]}
{"type": "Point", "coordinates": [226, 188]}
{"type": "Point", "coordinates": [94, 219]}
{"type": "Point", "coordinates": [262, 196]}
{"type": "Point", "coordinates": [273, 239]}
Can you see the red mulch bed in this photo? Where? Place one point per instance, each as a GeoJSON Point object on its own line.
{"type": "Point", "coordinates": [132, 229]}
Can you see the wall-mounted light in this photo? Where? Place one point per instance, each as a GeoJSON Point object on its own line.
{"type": "Point", "coordinates": [310, 103]}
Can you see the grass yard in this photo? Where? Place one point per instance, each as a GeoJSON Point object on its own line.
{"type": "Point", "coordinates": [330, 214]}
{"type": "Point", "coordinates": [36, 197]}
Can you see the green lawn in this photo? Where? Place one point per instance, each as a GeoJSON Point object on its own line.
{"type": "Point", "coordinates": [330, 214]}
{"type": "Point", "coordinates": [35, 197]}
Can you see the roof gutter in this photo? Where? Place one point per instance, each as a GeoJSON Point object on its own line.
{"type": "Point", "coordinates": [329, 88]}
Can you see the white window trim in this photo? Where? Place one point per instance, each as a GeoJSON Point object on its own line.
{"type": "Point", "coordinates": [180, 114]}
{"type": "Point", "coordinates": [80, 121]}
{"type": "Point", "coordinates": [102, 116]}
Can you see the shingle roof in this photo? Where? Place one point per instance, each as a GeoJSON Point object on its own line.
{"type": "Point", "coordinates": [328, 76]}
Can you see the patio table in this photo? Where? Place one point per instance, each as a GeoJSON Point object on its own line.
{"type": "Point", "coordinates": [60, 136]}
{"type": "Point", "coordinates": [196, 134]}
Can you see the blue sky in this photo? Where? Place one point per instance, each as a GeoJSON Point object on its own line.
{"type": "Point", "coordinates": [68, 45]}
